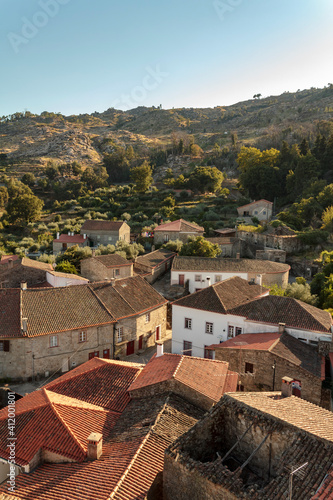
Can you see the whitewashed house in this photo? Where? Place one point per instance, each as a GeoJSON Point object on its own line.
{"type": "Point", "coordinates": [201, 272]}
{"type": "Point", "coordinates": [261, 209]}
{"type": "Point", "coordinates": [235, 306]}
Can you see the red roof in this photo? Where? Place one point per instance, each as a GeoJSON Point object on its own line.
{"type": "Point", "coordinates": [253, 341]}
{"type": "Point", "coordinates": [255, 202]}
{"type": "Point", "coordinates": [68, 238]}
{"type": "Point", "coordinates": [205, 376]}
{"type": "Point", "coordinates": [6, 258]}
{"type": "Point", "coordinates": [180, 225]}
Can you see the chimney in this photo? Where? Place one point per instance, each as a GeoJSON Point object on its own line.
{"type": "Point", "coordinates": [84, 236]}
{"type": "Point", "coordinates": [112, 281]}
{"type": "Point", "coordinates": [286, 388]}
{"type": "Point", "coordinates": [95, 445]}
{"type": "Point", "coordinates": [282, 327]}
{"type": "Point", "coordinates": [208, 281]}
{"type": "Point", "coordinates": [24, 285]}
{"type": "Point", "coordinates": [25, 325]}
{"type": "Point", "coordinates": [159, 346]}
{"type": "Point", "coordinates": [93, 253]}
{"type": "Point", "coordinates": [10, 263]}
{"type": "Point", "coordinates": [58, 236]}
{"type": "Point", "coordinates": [237, 255]}
{"type": "Point", "coordinates": [258, 280]}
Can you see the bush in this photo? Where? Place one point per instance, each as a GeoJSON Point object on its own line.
{"type": "Point", "coordinates": [313, 238]}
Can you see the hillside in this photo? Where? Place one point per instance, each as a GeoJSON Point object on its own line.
{"type": "Point", "coordinates": [29, 141]}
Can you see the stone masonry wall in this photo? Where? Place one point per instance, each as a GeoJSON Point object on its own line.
{"type": "Point", "coordinates": [262, 378]}
{"type": "Point", "coordinates": [270, 279]}
{"type": "Point", "coordinates": [94, 270]}
{"type": "Point", "coordinates": [159, 236]}
{"type": "Point", "coordinates": [12, 278]}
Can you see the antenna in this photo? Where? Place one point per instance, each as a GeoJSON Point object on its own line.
{"type": "Point", "coordinates": [300, 472]}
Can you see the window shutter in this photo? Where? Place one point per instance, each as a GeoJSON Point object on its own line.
{"type": "Point", "coordinates": [6, 345]}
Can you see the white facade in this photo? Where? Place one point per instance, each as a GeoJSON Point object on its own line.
{"type": "Point", "coordinates": [194, 331]}
{"type": "Point", "coordinates": [63, 279]}
{"type": "Point", "coordinates": [202, 279]}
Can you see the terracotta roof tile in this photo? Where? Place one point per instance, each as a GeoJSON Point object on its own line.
{"type": "Point", "coordinates": [99, 381]}
{"type": "Point", "coordinates": [274, 309]}
{"type": "Point", "coordinates": [250, 341]}
{"type": "Point", "coordinates": [222, 296]}
{"type": "Point", "coordinates": [10, 325]}
{"type": "Point", "coordinates": [36, 264]}
{"type": "Point", "coordinates": [154, 259]}
{"type": "Point", "coordinates": [256, 202]}
{"type": "Point", "coordinates": [112, 260]}
{"type": "Point", "coordinates": [180, 225]}
{"type": "Point", "coordinates": [5, 258]}
{"type": "Point", "coordinates": [101, 225]}
{"type": "Point", "coordinates": [228, 265]}
{"type": "Point", "coordinates": [70, 238]}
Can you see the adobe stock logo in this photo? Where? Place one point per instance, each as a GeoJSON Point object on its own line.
{"type": "Point", "coordinates": [30, 28]}
{"type": "Point", "coordinates": [223, 7]}
{"type": "Point", "coordinates": [153, 78]}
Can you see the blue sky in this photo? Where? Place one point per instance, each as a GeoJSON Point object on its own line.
{"type": "Point", "coordinates": [81, 56]}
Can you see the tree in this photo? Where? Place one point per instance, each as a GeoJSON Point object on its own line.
{"type": "Point", "coordinates": [173, 245]}
{"type": "Point", "coordinates": [206, 179]}
{"type": "Point", "coordinates": [196, 151]}
{"type": "Point", "coordinates": [66, 267]}
{"type": "Point", "coordinates": [299, 290]}
{"type": "Point", "coordinates": [3, 197]}
{"type": "Point", "coordinates": [327, 219]}
{"type": "Point", "coordinates": [29, 179]}
{"type": "Point", "coordinates": [24, 208]}
{"type": "Point", "coordinates": [200, 247]}
{"type": "Point", "coordinates": [142, 177]}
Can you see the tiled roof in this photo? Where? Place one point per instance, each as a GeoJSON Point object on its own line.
{"type": "Point", "coordinates": [222, 296]}
{"type": "Point", "coordinates": [256, 202]}
{"type": "Point", "coordinates": [101, 225]}
{"type": "Point", "coordinates": [5, 258]}
{"type": "Point", "coordinates": [228, 265]}
{"type": "Point", "coordinates": [205, 376]}
{"type": "Point", "coordinates": [68, 275]}
{"type": "Point", "coordinates": [36, 264]}
{"type": "Point", "coordinates": [100, 382]}
{"type": "Point", "coordinates": [69, 238]}
{"type": "Point", "coordinates": [283, 345]}
{"type": "Point", "coordinates": [155, 258]}
{"type": "Point", "coordinates": [274, 309]}
{"type": "Point", "coordinates": [226, 230]}
{"type": "Point", "coordinates": [293, 410]}
{"type": "Point", "coordinates": [127, 297]}
{"type": "Point", "coordinates": [10, 324]}
{"type": "Point", "coordinates": [180, 225]}
{"type": "Point", "coordinates": [112, 260]}
{"type": "Point", "coordinates": [51, 310]}
{"type": "Point", "coordinates": [53, 422]}
{"type": "Point", "coordinates": [222, 241]}
{"type": "Point", "coordinates": [132, 456]}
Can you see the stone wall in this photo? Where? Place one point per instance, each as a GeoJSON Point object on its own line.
{"type": "Point", "coordinates": [12, 277]}
{"type": "Point", "coordinates": [159, 236]}
{"type": "Point", "coordinates": [94, 270]}
{"type": "Point", "coordinates": [153, 272]}
{"type": "Point", "coordinates": [99, 237]}
{"type": "Point", "coordinates": [271, 254]}
{"type": "Point", "coordinates": [262, 378]}
{"type": "Point", "coordinates": [271, 279]}
{"type": "Point", "coordinates": [289, 244]}
{"type": "Point", "coordinates": [19, 363]}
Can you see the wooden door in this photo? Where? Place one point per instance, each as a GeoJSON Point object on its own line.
{"type": "Point", "coordinates": [158, 331]}
{"type": "Point", "coordinates": [106, 354]}
{"type": "Point", "coordinates": [94, 354]}
{"type": "Point", "coordinates": [130, 348]}
{"type": "Point", "coordinates": [181, 279]}
{"type": "Point", "coordinates": [140, 342]}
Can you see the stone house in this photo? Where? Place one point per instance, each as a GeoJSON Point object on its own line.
{"type": "Point", "coordinates": [246, 447]}
{"type": "Point", "coordinates": [262, 360]}
{"type": "Point", "coordinates": [15, 270]}
{"type": "Point", "coordinates": [94, 433]}
{"type": "Point", "coordinates": [261, 209]}
{"type": "Point", "coordinates": [50, 329]}
{"type": "Point", "coordinates": [235, 306]}
{"type": "Point", "coordinates": [64, 241]}
{"type": "Point", "coordinates": [102, 267]}
{"type": "Point", "coordinates": [230, 247]}
{"type": "Point", "coordinates": [273, 254]}
{"type": "Point", "coordinates": [104, 232]}
{"type": "Point", "coordinates": [200, 272]}
{"type": "Point", "coordinates": [176, 230]}
{"type": "Point", "coordinates": [154, 264]}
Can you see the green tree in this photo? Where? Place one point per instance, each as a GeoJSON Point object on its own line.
{"type": "Point", "coordinates": [23, 209]}
{"type": "Point", "coordinates": [173, 245]}
{"type": "Point", "coordinates": [327, 219]}
{"type": "Point", "coordinates": [29, 179]}
{"type": "Point", "coordinates": [142, 177]}
{"type": "Point", "coordinates": [195, 151]}
{"type": "Point", "coordinates": [66, 267]}
{"type": "Point", "coordinates": [206, 179]}
{"type": "Point", "coordinates": [299, 290]}
{"type": "Point", "coordinates": [3, 197]}
{"type": "Point", "coordinates": [200, 247]}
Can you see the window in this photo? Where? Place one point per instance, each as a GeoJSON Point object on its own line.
{"type": "Point", "coordinates": [248, 368]}
{"type": "Point", "coordinates": [187, 348]}
{"type": "Point", "coordinates": [110, 238]}
{"type": "Point", "coordinates": [147, 317]}
{"type": "Point", "coordinates": [231, 331]}
{"type": "Point", "coordinates": [82, 336]}
{"type": "Point", "coordinates": [188, 323]}
{"type": "Point", "coordinates": [54, 341]}
{"type": "Point", "coordinates": [197, 277]}
{"type": "Point", "coordinates": [264, 212]}
{"type": "Point", "coordinates": [4, 345]}
{"type": "Point", "coordinates": [209, 353]}
{"type": "Point", "coordinates": [238, 330]}
{"type": "Point", "coordinates": [166, 237]}
{"type": "Point", "coordinates": [98, 237]}
{"type": "Point", "coordinates": [209, 327]}
{"type": "Point", "coordinates": [120, 332]}
{"type": "Point", "coordinates": [116, 272]}
{"type": "Point", "coordinates": [217, 278]}
{"type": "Point", "coordinates": [256, 212]}
{"type": "Point", "coordinates": [303, 340]}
